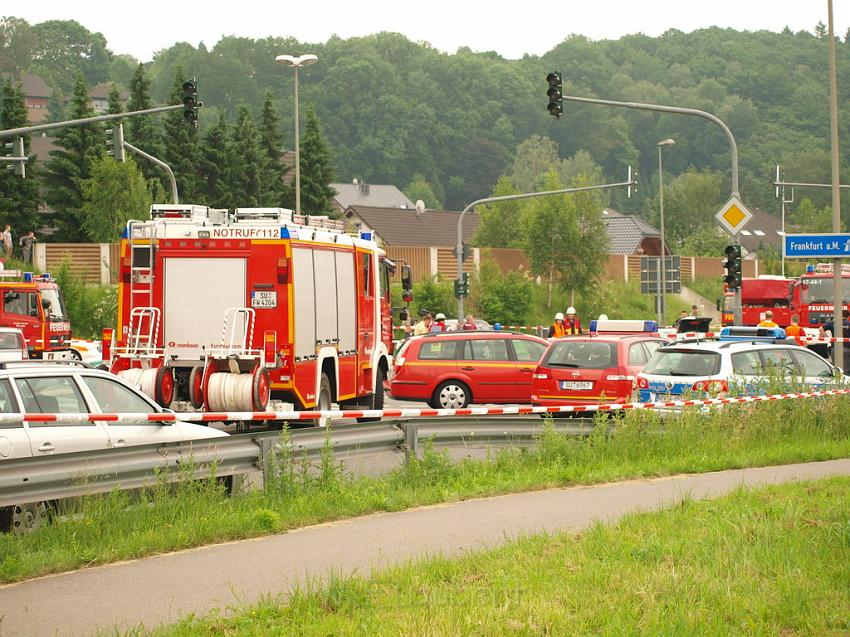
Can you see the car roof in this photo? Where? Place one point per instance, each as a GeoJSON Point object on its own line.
{"type": "Point", "coordinates": [611, 338]}
{"type": "Point", "coordinates": [10, 330]}
{"type": "Point", "coordinates": [479, 334]}
{"type": "Point", "coordinates": [48, 367]}
{"type": "Point", "coordinates": [721, 346]}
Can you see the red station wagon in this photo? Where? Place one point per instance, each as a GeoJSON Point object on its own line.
{"type": "Point", "coordinates": [450, 370]}
{"type": "Point", "coordinates": [594, 369]}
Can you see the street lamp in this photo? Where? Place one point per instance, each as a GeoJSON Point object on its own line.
{"type": "Point", "coordinates": [662, 304]}
{"type": "Point", "coordinates": [296, 62]}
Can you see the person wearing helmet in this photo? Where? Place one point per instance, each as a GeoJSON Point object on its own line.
{"type": "Point", "coordinates": [557, 329]}
{"type": "Point", "coordinates": [439, 324]}
{"type": "Point", "coordinates": [572, 324]}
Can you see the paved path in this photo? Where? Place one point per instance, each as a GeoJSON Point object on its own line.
{"type": "Point", "coordinates": [165, 588]}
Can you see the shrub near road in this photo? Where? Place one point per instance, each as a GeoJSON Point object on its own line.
{"type": "Point", "coordinates": [112, 528]}
{"type": "Point", "coordinates": [773, 562]}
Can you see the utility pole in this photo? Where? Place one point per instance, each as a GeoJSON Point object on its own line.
{"type": "Point", "coordinates": [838, 298]}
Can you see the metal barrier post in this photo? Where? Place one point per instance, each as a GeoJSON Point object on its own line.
{"type": "Point", "coordinates": [266, 461]}
{"type": "Point", "coordinates": [411, 440]}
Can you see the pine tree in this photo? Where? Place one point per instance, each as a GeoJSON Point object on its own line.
{"type": "Point", "coordinates": [18, 197]}
{"type": "Point", "coordinates": [316, 172]}
{"type": "Point", "coordinates": [275, 192]}
{"type": "Point", "coordinates": [212, 165]}
{"type": "Point", "coordinates": [115, 105]}
{"type": "Point", "coordinates": [143, 130]}
{"type": "Point", "coordinates": [820, 30]}
{"type": "Point", "coordinates": [70, 165]}
{"type": "Point", "coordinates": [180, 148]}
{"type": "Point", "coordinates": [246, 162]}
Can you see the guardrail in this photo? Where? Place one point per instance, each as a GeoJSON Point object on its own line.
{"type": "Point", "coordinates": [82, 473]}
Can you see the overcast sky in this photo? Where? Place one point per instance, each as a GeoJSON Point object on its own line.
{"type": "Point", "coordinates": [142, 28]}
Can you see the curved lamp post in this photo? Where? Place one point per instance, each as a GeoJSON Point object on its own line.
{"type": "Point", "coordinates": [663, 303]}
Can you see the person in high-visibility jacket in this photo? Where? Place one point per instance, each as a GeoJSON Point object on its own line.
{"type": "Point", "coordinates": [557, 329]}
{"type": "Point", "coordinates": [572, 324]}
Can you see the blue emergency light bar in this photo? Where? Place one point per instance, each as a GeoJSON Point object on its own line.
{"type": "Point", "coordinates": [27, 277]}
{"type": "Point", "coordinates": [741, 333]}
{"type": "Point", "coordinates": [622, 327]}
{"type": "Point", "coordinates": [366, 236]}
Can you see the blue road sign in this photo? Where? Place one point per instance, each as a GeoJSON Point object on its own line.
{"type": "Point", "coordinates": [808, 246]}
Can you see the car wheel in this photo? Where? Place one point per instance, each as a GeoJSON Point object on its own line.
{"type": "Point", "coordinates": [451, 394]}
{"type": "Point", "coordinates": [21, 519]}
{"type": "Point", "coordinates": [377, 399]}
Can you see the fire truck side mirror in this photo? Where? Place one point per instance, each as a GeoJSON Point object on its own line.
{"type": "Point", "coordinates": [406, 284]}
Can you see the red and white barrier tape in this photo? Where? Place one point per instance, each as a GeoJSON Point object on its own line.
{"type": "Point", "coordinates": [822, 339]}
{"type": "Point", "coordinates": [398, 413]}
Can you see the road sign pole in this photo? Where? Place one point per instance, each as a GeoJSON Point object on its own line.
{"type": "Point", "coordinates": [659, 294]}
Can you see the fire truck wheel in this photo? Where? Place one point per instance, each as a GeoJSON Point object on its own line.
{"type": "Point", "coordinates": [377, 399]}
{"type": "Point", "coordinates": [260, 389]}
{"type": "Point", "coordinates": [196, 388]}
{"type": "Point", "coordinates": [451, 394]}
{"type": "Point", "coordinates": [325, 401]}
{"type": "Point", "coordinates": [164, 386]}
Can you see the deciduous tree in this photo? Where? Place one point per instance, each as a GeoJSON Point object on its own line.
{"type": "Point", "coordinates": [115, 193]}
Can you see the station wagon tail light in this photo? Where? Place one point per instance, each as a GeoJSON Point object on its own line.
{"type": "Point", "coordinates": [399, 361]}
{"type": "Point", "coordinates": [541, 375]}
{"type": "Point", "coordinates": [283, 270]}
{"type": "Point", "coordinates": [641, 383]}
{"type": "Point", "coordinates": [711, 386]}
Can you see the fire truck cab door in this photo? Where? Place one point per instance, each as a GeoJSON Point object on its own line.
{"type": "Point", "coordinates": [20, 309]}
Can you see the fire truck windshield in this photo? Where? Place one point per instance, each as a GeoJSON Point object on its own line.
{"type": "Point", "coordinates": [822, 290]}
{"type": "Point", "coordinates": [53, 306]}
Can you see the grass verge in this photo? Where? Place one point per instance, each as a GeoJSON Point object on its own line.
{"type": "Point", "coordinates": [114, 527]}
{"type": "Point", "coordinates": [772, 562]}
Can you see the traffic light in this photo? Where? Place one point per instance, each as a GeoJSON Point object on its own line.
{"type": "Point", "coordinates": [555, 93]}
{"type": "Point", "coordinates": [115, 142]}
{"type": "Point", "coordinates": [461, 285]}
{"type": "Point", "coordinates": [190, 103]}
{"type": "Point", "coordinates": [16, 149]}
{"type": "Point", "coordinates": [466, 251]}
{"type": "Point", "coordinates": [633, 182]}
{"type": "Point", "coordinates": [732, 266]}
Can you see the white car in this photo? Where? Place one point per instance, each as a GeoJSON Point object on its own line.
{"type": "Point", "coordinates": [85, 350]}
{"type": "Point", "coordinates": [741, 361]}
{"type": "Point", "coordinates": [72, 388]}
{"type": "Point", "coordinates": [13, 345]}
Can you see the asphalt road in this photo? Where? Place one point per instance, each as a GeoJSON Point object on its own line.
{"type": "Point", "coordinates": [165, 588]}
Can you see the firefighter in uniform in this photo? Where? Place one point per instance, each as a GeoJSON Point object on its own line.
{"type": "Point", "coordinates": [557, 329]}
{"type": "Point", "coordinates": [572, 324]}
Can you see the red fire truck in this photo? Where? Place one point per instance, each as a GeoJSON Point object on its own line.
{"type": "Point", "coordinates": [810, 297]}
{"type": "Point", "coordinates": [34, 304]}
{"type": "Point", "coordinates": [228, 310]}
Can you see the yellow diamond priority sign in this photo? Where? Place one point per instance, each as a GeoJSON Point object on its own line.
{"type": "Point", "coordinates": [733, 216]}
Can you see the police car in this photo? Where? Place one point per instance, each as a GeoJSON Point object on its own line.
{"type": "Point", "coordinates": [742, 361]}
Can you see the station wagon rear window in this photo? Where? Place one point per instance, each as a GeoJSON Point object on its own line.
{"type": "Point", "coordinates": [582, 355]}
{"type": "Point", "coordinates": [678, 362]}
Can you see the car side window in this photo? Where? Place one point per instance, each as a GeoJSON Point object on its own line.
{"type": "Point", "coordinates": [746, 363]}
{"type": "Point", "coordinates": [489, 349]}
{"type": "Point", "coordinates": [637, 354]}
{"type": "Point", "coordinates": [113, 397]}
{"type": "Point", "coordinates": [11, 340]}
{"type": "Point", "coordinates": [528, 351]}
{"type": "Point", "coordinates": [438, 350]}
{"type": "Point", "coordinates": [779, 360]}
{"type": "Point", "coordinates": [812, 365]}
{"type": "Point", "coordinates": [651, 346]}
{"type": "Point", "coordinates": [51, 395]}
{"type": "Point", "coordinates": [8, 405]}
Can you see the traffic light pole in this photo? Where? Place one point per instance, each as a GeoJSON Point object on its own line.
{"type": "Point", "coordinates": [528, 195]}
{"type": "Point", "coordinates": [159, 163]}
{"type": "Point", "coordinates": [27, 130]}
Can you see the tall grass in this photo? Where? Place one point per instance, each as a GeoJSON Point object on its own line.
{"type": "Point", "coordinates": [768, 562]}
{"type": "Point", "coordinates": [192, 513]}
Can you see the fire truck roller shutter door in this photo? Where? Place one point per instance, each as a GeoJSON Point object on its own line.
{"type": "Point", "coordinates": [347, 301]}
{"type": "Point", "coordinates": [305, 303]}
{"type": "Point", "coordinates": [199, 289]}
{"type": "Point", "coordinates": [326, 297]}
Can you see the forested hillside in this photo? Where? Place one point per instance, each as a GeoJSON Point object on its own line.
{"type": "Point", "coordinates": [392, 109]}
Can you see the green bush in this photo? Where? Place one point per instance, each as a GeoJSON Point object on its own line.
{"type": "Point", "coordinates": [89, 307]}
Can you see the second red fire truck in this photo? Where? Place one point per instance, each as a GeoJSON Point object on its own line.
{"type": "Point", "coordinates": [228, 310]}
{"type": "Point", "coordinates": [810, 297]}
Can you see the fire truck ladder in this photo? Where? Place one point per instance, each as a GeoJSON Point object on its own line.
{"type": "Point", "coordinates": [144, 328]}
{"type": "Point", "coordinates": [237, 334]}
{"type": "Point", "coordinates": [141, 239]}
